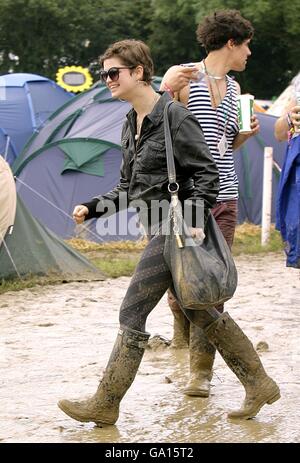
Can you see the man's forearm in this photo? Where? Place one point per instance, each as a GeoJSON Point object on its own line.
{"type": "Point", "coordinates": [177, 77]}
{"type": "Point", "coordinates": [240, 139]}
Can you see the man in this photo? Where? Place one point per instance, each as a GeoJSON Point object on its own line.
{"type": "Point", "coordinates": [211, 95]}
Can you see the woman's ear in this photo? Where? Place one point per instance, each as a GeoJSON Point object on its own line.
{"type": "Point", "coordinates": [139, 72]}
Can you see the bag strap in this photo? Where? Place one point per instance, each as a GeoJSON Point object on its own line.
{"type": "Point", "coordinates": [173, 185]}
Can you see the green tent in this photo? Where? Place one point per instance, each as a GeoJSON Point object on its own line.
{"type": "Point", "coordinates": [28, 248]}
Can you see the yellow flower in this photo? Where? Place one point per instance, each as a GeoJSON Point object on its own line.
{"type": "Point", "coordinates": [74, 78]}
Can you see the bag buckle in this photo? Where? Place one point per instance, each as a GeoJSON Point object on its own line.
{"type": "Point", "coordinates": [173, 187]}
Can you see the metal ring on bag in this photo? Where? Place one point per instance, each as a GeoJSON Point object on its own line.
{"type": "Point", "coordinates": [173, 187]}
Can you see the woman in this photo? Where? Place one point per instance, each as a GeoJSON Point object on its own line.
{"type": "Point", "coordinates": [287, 127]}
{"type": "Point", "coordinates": [127, 71]}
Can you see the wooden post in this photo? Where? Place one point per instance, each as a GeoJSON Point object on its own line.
{"type": "Point", "coordinates": [267, 196]}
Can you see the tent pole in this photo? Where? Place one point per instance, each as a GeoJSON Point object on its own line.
{"type": "Point", "coordinates": [6, 147]}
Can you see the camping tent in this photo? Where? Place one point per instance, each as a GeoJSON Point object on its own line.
{"type": "Point", "coordinates": [7, 148]}
{"type": "Point", "coordinates": [77, 155]}
{"type": "Point", "coordinates": [28, 248]}
{"type": "Point", "coordinates": [249, 163]}
{"type": "Point", "coordinates": [26, 101]}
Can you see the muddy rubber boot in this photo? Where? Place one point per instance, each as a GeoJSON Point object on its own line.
{"type": "Point", "coordinates": [181, 325]}
{"type": "Point", "coordinates": [123, 364]}
{"type": "Point", "coordinates": [241, 357]}
{"type": "Point", "coordinates": [202, 355]}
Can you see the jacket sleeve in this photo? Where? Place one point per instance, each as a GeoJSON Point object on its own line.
{"type": "Point", "coordinates": [194, 160]}
{"type": "Point", "coordinates": [113, 201]}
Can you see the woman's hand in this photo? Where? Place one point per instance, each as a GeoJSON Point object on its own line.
{"type": "Point", "coordinates": [290, 118]}
{"type": "Point", "coordinates": [79, 213]}
{"type": "Point", "coordinates": [197, 234]}
{"type": "Point", "coordinates": [295, 118]}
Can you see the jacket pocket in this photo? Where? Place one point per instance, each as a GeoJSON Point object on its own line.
{"type": "Point", "coordinates": [153, 157]}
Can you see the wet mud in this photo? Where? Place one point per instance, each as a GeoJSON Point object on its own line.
{"type": "Point", "coordinates": [55, 342]}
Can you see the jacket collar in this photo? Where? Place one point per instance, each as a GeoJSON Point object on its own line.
{"type": "Point", "coordinates": [156, 114]}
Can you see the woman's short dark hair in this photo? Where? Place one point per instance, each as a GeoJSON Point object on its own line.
{"type": "Point", "coordinates": [216, 29]}
{"type": "Point", "coordinates": [131, 53]}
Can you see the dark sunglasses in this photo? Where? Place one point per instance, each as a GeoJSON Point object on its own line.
{"type": "Point", "coordinates": [113, 73]}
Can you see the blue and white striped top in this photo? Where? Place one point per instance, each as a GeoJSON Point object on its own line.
{"type": "Point", "coordinates": [200, 105]}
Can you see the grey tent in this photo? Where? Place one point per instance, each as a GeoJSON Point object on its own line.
{"type": "Point", "coordinates": [28, 248]}
{"type": "Point", "coordinates": [75, 156]}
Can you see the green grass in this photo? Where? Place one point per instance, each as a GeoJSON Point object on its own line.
{"type": "Point", "coordinates": [247, 240]}
{"type": "Point", "coordinates": [118, 265]}
{"type": "Point", "coordinates": [28, 282]}
{"type": "Point", "coordinates": [117, 259]}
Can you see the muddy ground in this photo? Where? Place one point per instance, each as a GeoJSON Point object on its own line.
{"type": "Point", "coordinates": [55, 342]}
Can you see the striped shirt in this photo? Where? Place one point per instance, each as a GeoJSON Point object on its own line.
{"type": "Point", "coordinates": [213, 121]}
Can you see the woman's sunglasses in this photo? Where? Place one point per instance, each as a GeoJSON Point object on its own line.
{"type": "Point", "coordinates": [113, 73]}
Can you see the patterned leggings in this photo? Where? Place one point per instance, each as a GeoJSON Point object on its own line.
{"type": "Point", "coordinates": [149, 283]}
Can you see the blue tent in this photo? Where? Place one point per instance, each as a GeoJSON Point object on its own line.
{"type": "Point", "coordinates": [249, 163]}
{"type": "Point", "coordinates": [77, 155]}
{"type": "Point", "coordinates": [26, 101]}
{"type": "Point", "coordinates": [7, 147]}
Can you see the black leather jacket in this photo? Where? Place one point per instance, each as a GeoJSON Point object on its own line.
{"type": "Point", "coordinates": [144, 173]}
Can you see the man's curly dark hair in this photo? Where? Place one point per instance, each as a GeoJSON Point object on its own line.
{"type": "Point", "coordinates": [215, 30]}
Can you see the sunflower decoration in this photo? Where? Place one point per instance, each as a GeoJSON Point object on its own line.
{"type": "Point", "coordinates": [74, 78]}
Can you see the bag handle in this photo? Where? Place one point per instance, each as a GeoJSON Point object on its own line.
{"type": "Point", "coordinates": [173, 186]}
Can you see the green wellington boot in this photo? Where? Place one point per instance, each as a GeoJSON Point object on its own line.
{"type": "Point", "coordinates": [202, 355]}
{"type": "Point", "coordinates": [241, 357]}
{"type": "Point", "coordinates": [123, 364]}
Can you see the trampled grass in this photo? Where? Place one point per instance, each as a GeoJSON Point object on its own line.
{"type": "Point", "coordinates": [119, 258]}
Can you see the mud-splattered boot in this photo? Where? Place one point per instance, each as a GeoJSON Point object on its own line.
{"type": "Point", "coordinates": [202, 355]}
{"type": "Point", "coordinates": [181, 326]}
{"type": "Point", "coordinates": [123, 364]}
{"type": "Point", "coordinates": [241, 357]}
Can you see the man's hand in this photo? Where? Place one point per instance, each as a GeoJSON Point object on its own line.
{"type": "Point", "coordinates": [197, 234]}
{"type": "Point", "coordinates": [242, 137]}
{"type": "Point", "coordinates": [79, 213]}
{"type": "Point", "coordinates": [177, 77]}
{"type": "Point", "coordinates": [255, 127]}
